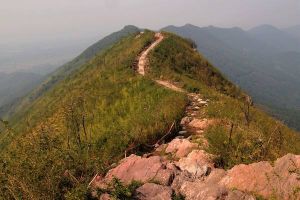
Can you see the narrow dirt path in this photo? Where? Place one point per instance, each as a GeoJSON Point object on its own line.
{"type": "Point", "coordinates": [143, 58]}
{"type": "Point", "coordinates": [142, 62]}
{"type": "Point", "coordinates": [191, 124]}
{"type": "Point", "coordinates": [169, 85]}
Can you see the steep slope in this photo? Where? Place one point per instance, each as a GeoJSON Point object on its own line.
{"type": "Point", "coordinates": [259, 68]}
{"type": "Point", "coordinates": [68, 68]}
{"type": "Point", "coordinates": [87, 121]}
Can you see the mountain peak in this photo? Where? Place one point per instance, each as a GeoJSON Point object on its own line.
{"type": "Point", "coordinates": [264, 27]}
{"type": "Point", "coordinates": [130, 27]}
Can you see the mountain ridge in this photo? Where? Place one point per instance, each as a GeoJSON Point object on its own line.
{"type": "Point", "coordinates": [87, 121]}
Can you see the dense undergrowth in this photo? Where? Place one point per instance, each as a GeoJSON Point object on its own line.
{"type": "Point", "coordinates": [84, 124]}
{"type": "Point", "coordinates": [242, 132]}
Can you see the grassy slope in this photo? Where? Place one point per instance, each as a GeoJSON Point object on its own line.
{"type": "Point", "coordinates": [264, 138]}
{"type": "Point", "coordinates": [65, 70]}
{"type": "Point", "coordinates": [119, 109]}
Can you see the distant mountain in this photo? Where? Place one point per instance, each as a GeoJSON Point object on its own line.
{"type": "Point", "coordinates": [255, 62]}
{"type": "Point", "coordinates": [294, 31]}
{"type": "Point", "coordinates": [276, 38]}
{"type": "Point", "coordinates": [17, 84]}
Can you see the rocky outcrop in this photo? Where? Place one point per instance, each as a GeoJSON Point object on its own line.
{"type": "Point", "coordinates": [195, 177]}
{"type": "Point", "coordinates": [182, 167]}
{"type": "Point", "coordinates": [282, 180]}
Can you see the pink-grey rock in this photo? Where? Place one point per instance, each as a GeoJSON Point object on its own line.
{"type": "Point", "coordinates": [151, 191]}
{"type": "Point", "coordinates": [141, 169]}
{"type": "Point", "coordinates": [200, 124]}
{"type": "Point", "coordinates": [261, 178]}
{"type": "Point", "coordinates": [184, 121]}
{"type": "Point", "coordinates": [180, 147]}
{"type": "Point", "coordinates": [238, 195]}
{"type": "Point", "coordinates": [179, 179]}
{"type": "Point", "coordinates": [200, 191]}
{"type": "Point", "coordinates": [250, 178]}
{"type": "Point", "coordinates": [105, 197]}
{"type": "Point", "coordinates": [215, 176]}
{"type": "Point", "coordinates": [285, 178]}
{"type": "Point", "coordinates": [198, 163]}
{"type": "Point", "coordinates": [287, 164]}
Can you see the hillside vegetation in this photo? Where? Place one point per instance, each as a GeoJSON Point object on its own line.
{"type": "Point", "coordinates": [242, 133]}
{"type": "Point", "coordinates": [86, 121]}
{"type": "Point", "coordinates": [263, 61]}
{"type": "Point", "coordinates": [65, 70]}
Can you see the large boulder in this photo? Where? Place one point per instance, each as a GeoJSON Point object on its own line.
{"type": "Point", "coordinates": [281, 181]}
{"type": "Point", "coordinates": [198, 163]}
{"type": "Point", "coordinates": [142, 169]}
{"type": "Point", "coordinates": [251, 178]}
{"type": "Point", "coordinates": [180, 147]}
{"type": "Point", "coordinates": [151, 191]}
{"type": "Point", "coordinates": [285, 179]}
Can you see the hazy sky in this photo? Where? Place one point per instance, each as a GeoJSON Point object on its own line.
{"type": "Point", "coordinates": [34, 20]}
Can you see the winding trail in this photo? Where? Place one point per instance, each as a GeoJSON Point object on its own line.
{"type": "Point", "coordinates": [142, 63]}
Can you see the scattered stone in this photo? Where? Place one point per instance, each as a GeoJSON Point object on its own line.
{"type": "Point", "coordinates": [180, 147]}
{"type": "Point", "coordinates": [184, 121]}
{"type": "Point", "coordinates": [200, 191]}
{"type": "Point", "coordinates": [179, 179]}
{"type": "Point", "coordinates": [215, 176]}
{"type": "Point", "coordinates": [182, 132]}
{"type": "Point", "coordinates": [198, 163]}
{"type": "Point", "coordinates": [151, 191]}
{"type": "Point", "coordinates": [196, 108]}
{"type": "Point", "coordinates": [105, 197]}
{"type": "Point", "coordinates": [201, 124]}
